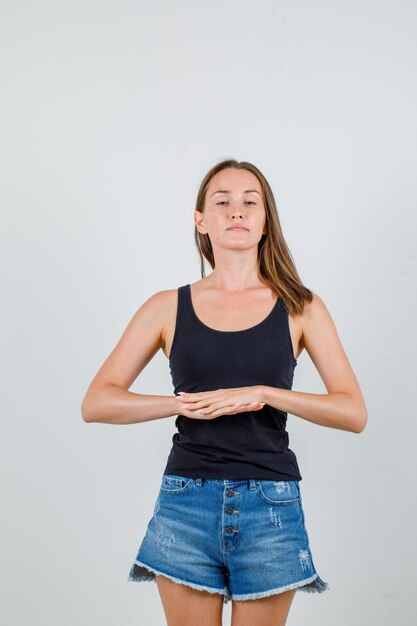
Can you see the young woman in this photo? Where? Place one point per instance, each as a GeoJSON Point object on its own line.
{"type": "Point", "coordinates": [228, 522]}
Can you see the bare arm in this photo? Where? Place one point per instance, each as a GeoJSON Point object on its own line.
{"type": "Point", "coordinates": [108, 399]}
{"type": "Point", "coordinates": [343, 407]}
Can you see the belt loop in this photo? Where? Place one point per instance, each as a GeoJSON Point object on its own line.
{"type": "Point", "coordinates": [252, 484]}
{"type": "Point", "coordinates": [199, 482]}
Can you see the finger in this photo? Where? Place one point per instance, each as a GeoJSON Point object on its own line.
{"type": "Point", "coordinates": [228, 410]}
{"type": "Point", "coordinates": [213, 409]}
{"type": "Point", "coordinates": [252, 406]}
{"type": "Point", "coordinates": [217, 407]}
{"type": "Point", "coordinates": [186, 403]}
{"type": "Point", "coordinates": [236, 407]}
{"type": "Point", "coordinates": [195, 406]}
{"type": "Point", "coordinates": [204, 404]}
{"type": "Point", "coordinates": [184, 395]}
{"type": "Point", "coordinates": [200, 395]}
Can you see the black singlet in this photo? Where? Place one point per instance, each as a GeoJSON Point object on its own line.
{"type": "Point", "coordinates": [248, 444]}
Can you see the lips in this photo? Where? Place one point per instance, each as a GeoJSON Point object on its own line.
{"type": "Point", "coordinates": [237, 228]}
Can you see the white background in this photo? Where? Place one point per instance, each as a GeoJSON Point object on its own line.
{"type": "Point", "coordinates": [111, 113]}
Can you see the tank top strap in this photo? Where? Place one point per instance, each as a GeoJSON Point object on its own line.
{"type": "Point", "coordinates": [184, 313]}
{"type": "Point", "coordinates": [188, 306]}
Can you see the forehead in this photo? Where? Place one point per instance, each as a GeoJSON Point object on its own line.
{"type": "Point", "coordinates": [233, 180]}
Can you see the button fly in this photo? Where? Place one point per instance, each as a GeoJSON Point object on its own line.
{"type": "Point", "coordinates": [231, 533]}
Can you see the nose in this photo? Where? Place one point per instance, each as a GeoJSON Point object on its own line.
{"type": "Point", "coordinates": [237, 212]}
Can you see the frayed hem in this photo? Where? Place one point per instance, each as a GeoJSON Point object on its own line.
{"type": "Point", "coordinates": [141, 572]}
{"type": "Point", "coordinates": [313, 584]}
{"type": "Point", "coordinates": [316, 586]}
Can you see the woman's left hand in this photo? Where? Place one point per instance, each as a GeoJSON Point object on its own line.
{"type": "Point", "coordinates": [212, 402]}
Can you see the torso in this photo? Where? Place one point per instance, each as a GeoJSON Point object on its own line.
{"type": "Point", "coordinates": [231, 313]}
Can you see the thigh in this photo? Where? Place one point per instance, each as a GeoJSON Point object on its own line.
{"type": "Point", "coordinates": [270, 611]}
{"type": "Point", "coordinates": [184, 606]}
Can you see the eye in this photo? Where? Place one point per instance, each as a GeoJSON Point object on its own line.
{"type": "Point", "coordinates": [224, 202]}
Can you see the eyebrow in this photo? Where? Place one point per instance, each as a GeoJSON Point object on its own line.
{"type": "Point", "coordinates": [227, 191]}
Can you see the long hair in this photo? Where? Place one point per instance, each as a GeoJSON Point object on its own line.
{"type": "Point", "coordinates": [275, 264]}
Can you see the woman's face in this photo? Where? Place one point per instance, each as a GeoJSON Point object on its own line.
{"type": "Point", "coordinates": [233, 199]}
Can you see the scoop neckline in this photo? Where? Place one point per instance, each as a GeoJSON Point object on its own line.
{"type": "Point", "coordinates": [229, 332]}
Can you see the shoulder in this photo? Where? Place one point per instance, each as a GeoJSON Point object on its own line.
{"type": "Point", "coordinates": [154, 316]}
{"type": "Point", "coordinates": [316, 321]}
{"type": "Point", "coordinates": [315, 309]}
{"type": "Point", "coordinates": [160, 303]}
{"type": "Point", "coordinates": [154, 312]}
{"type": "Point", "coordinates": [162, 298]}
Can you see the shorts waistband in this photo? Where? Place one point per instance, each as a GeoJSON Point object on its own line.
{"type": "Point", "coordinates": [251, 482]}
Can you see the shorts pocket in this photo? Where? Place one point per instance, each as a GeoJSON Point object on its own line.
{"type": "Point", "coordinates": [172, 484]}
{"type": "Point", "coordinates": [279, 492]}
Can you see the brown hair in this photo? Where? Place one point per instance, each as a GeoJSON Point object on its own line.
{"type": "Point", "coordinates": [276, 267]}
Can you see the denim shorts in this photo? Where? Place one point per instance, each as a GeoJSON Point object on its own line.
{"type": "Point", "coordinates": [243, 539]}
